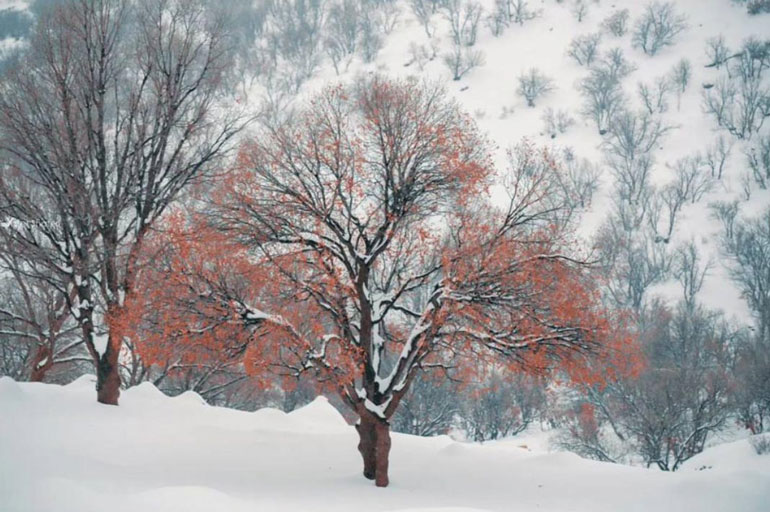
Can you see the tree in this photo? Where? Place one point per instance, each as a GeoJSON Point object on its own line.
{"type": "Point", "coordinates": [114, 113]}
{"type": "Point", "coordinates": [463, 20]}
{"type": "Point", "coordinates": [602, 91]}
{"type": "Point", "coordinates": [616, 23]}
{"type": "Point", "coordinates": [499, 407]}
{"type": "Point", "coordinates": [658, 27]}
{"type": "Point", "coordinates": [532, 85]}
{"type": "Point", "coordinates": [428, 409]}
{"type": "Point", "coordinates": [354, 242]}
{"type": "Point", "coordinates": [584, 48]}
{"type": "Point", "coordinates": [36, 328]}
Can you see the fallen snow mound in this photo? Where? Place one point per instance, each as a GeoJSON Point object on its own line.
{"type": "Point", "coordinates": [60, 450]}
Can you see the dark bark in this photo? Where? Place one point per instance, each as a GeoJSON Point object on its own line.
{"type": "Point", "coordinates": [382, 453]}
{"type": "Point", "coordinates": [107, 376]}
{"type": "Point", "coordinates": [374, 446]}
{"type": "Point", "coordinates": [367, 445]}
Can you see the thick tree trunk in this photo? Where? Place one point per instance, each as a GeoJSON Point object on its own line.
{"type": "Point", "coordinates": [382, 453]}
{"type": "Point", "coordinates": [374, 446]}
{"type": "Point", "coordinates": [367, 444]}
{"type": "Point", "coordinates": [107, 376]}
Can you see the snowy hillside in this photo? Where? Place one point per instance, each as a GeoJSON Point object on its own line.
{"type": "Point", "coordinates": [488, 92]}
{"type": "Point", "coordinates": [177, 454]}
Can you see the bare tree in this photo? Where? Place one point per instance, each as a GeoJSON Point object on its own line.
{"type": "Point", "coordinates": [747, 243]}
{"type": "Point", "coordinates": [692, 181]}
{"type": "Point", "coordinates": [371, 34]}
{"type": "Point", "coordinates": [579, 10]}
{"type": "Point", "coordinates": [532, 85]}
{"type": "Point", "coordinates": [601, 89]}
{"type": "Point", "coordinates": [666, 414]}
{"type": "Point", "coordinates": [343, 25]}
{"type": "Point", "coordinates": [556, 122]}
{"type": "Point", "coordinates": [501, 406]}
{"type": "Point", "coordinates": [628, 147]}
{"type": "Point", "coordinates": [109, 130]}
{"type": "Point", "coordinates": [758, 157]}
{"type": "Point", "coordinates": [716, 157]}
{"type": "Point", "coordinates": [461, 59]}
{"type": "Point", "coordinates": [429, 409]}
{"type": "Point", "coordinates": [654, 96]}
{"type": "Point", "coordinates": [658, 27]}
{"type": "Point", "coordinates": [36, 328]}
{"type": "Point", "coordinates": [519, 11]}
{"type": "Point", "coordinates": [463, 17]}
{"type": "Point", "coordinates": [584, 48]}
{"type": "Point", "coordinates": [717, 52]}
{"type": "Point", "coordinates": [616, 23]}
{"type": "Point", "coordinates": [424, 11]}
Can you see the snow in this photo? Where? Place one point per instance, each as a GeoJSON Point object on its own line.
{"type": "Point", "coordinates": [62, 451]}
{"type": "Point", "coordinates": [100, 343]}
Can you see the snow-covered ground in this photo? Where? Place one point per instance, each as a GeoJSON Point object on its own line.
{"type": "Point", "coordinates": [61, 451]}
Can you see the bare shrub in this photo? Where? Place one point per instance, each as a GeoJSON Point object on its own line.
{"type": "Point", "coordinates": [761, 442]}
{"type": "Point", "coordinates": [421, 54]}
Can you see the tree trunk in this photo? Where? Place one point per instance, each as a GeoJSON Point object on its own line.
{"type": "Point", "coordinates": [374, 445]}
{"type": "Point", "coordinates": [107, 376]}
{"type": "Point", "coordinates": [367, 444]}
{"type": "Point", "coordinates": [382, 453]}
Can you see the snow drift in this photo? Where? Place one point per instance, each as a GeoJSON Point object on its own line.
{"type": "Point", "coordinates": [60, 450]}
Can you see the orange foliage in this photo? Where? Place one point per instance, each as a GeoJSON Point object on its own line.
{"type": "Point", "coordinates": [357, 242]}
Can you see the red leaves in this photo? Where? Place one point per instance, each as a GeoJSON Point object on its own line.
{"type": "Point", "coordinates": [357, 241]}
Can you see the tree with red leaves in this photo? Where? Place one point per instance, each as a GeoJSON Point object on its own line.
{"type": "Point", "coordinates": [359, 240]}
